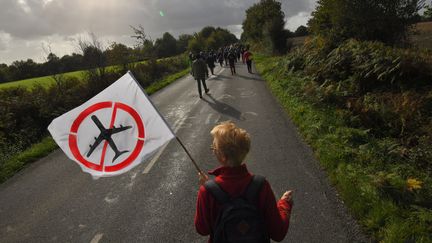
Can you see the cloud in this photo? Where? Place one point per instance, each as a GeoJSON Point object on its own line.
{"type": "Point", "coordinates": [24, 6]}
{"type": "Point", "coordinates": [5, 39]}
{"type": "Point", "coordinates": [295, 21]}
{"type": "Point", "coordinates": [35, 21]}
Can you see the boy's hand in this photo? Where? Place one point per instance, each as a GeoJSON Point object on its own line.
{"type": "Point", "coordinates": [203, 177]}
{"type": "Point", "coordinates": [288, 196]}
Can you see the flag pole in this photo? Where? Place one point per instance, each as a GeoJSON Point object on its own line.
{"type": "Point", "coordinates": [190, 156]}
{"type": "Point", "coordinates": [166, 123]}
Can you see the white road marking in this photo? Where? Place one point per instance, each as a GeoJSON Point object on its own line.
{"type": "Point", "coordinates": [218, 119]}
{"type": "Point", "coordinates": [111, 200]}
{"type": "Point", "coordinates": [208, 118]}
{"type": "Point", "coordinates": [9, 228]}
{"type": "Point", "coordinates": [214, 76]}
{"type": "Point", "coordinates": [132, 180]}
{"type": "Point", "coordinates": [96, 238]}
{"type": "Point", "coordinates": [153, 161]}
{"type": "Point", "coordinates": [250, 113]}
{"type": "Point", "coordinates": [226, 96]}
{"type": "Point", "coordinates": [177, 126]}
{"type": "Point", "coordinates": [203, 109]}
{"type": "Point", "coordinates": [196, 101]}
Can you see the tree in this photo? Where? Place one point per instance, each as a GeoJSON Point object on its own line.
{"type": "Point", "coordinates": [196, 44]}
{"type": "Point", "coordinates": [23, 69]}
{"type": "Point", "coordinates": [139, 35]}
{"type": "Point", "coordinates": [182, 42]}
{"type": "Point", "coordinates": [3, 73]}
{"type": "Point", "coordinates": [427, 15]}
{"type": "Point", "coordinates": [118, 53]}
{"type": "Point", "coordinates": [144, 44]}
{"type": "Point", "coordinates": [275, 35]}
{"type": "Point", "coordinates": [219, 37]}
{"type": "Point", "coordinates": [51, 65]}
{"type": "Point", "coordinates": [214, 41]}
{"type": "Point", "coordinates": [166, 46]}
{"type": "Point", "coordinates": [71, 62]}
{"type": "Point", "coordinates": [265, 20]}
{"type": "Point", "coordinates": [227, 37]}
{"type": "Point", "coordinates": [387, 21]}
{"type": "Point", "coordinates": [93, 56]}
{"type": "Point", "coordinates": [301, 31]}
{"type": "Point", "coordinates": [207, 31]}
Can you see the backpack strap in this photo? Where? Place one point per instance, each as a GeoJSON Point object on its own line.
{"type": "Point", "coordinates": [254, 188]}
{"type": "Point", "coordinates": [217, 192]}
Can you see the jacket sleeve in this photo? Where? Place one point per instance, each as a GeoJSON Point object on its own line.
{"type": "Point", "coordinates": [276, 214]}
{"type": "Point", "coordinates": [202, 214]}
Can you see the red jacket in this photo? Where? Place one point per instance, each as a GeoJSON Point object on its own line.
{"type": "Point", "coordinates": [234, 180]}
{"type": "Point", "coordinates": [247, 55]}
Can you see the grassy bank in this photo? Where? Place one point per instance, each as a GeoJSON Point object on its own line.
{"type": "Point", "coordinates": [356, 161]}
{"type": "Point", "coordinates": [15, 163]}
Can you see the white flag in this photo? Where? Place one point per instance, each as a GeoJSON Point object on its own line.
{"type": "Point", "coordinates": [112, 132]}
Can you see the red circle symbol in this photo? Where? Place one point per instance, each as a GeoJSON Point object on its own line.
{"type": "Point", "coordinates": [73, 141]}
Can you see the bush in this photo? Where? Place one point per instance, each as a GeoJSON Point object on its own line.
{"type": "Point", "coordinates": [363, 66]}
{"type": "Point", "coordinates": [386, 89]}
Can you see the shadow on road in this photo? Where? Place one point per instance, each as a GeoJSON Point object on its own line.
{"type": "Point", "coordinates": [220, 77]}
{"type": "Point", "coordinates": [223, 108]}
{"type": "Point", "coordinates": [250, 77]}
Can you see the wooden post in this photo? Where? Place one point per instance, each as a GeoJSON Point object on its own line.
{"type": "Point", "coordinates": [187, 152]}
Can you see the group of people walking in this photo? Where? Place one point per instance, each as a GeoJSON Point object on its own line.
{"type": "Point", "coordinates": [226, 56]}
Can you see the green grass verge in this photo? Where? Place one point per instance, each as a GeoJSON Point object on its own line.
{"type": "Point", "coordinates": [47, 145]}
{"type": "Point", "coordinates": [341, 150]}
{"type": "Point", "coordinates": [166, 81]}
{"type": "Point", "coordinates": [19, 161]}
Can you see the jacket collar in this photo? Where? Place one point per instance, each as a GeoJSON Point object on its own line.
{"type": "Point", "coordinates": [230, 171]}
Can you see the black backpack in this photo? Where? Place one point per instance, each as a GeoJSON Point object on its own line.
{"type": "Point", "coordinates": [239, 220]}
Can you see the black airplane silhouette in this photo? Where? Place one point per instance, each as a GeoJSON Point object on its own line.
{"type": "Point", "coordinates": [106, 134]}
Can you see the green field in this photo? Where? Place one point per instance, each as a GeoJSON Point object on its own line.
{"type": "Point", "coordinates": [44, 81]}
{"type": "Point", "coordinates": [48, 80]}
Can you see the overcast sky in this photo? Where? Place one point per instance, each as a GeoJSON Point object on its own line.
{"type": "Point", "coordinates": [27, 25]}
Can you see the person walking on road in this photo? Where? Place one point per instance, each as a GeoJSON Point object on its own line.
{"type": "Point", "coordinates": [199, 69]}
{"type": "Point", "coordinates": [247, 56]}
{"type": "Point", "coordinates": [235, 187]}
{"type": "Point", "coordinates": [211, 62]}
{"type": "Point", "coordinates": [220, 57]}
{"type": "Point", "coordinates": [191, 59]}
{"type": "Point", "coordinates": [231, 59]}
{"type": "Point", "coordinates": [225, 53]}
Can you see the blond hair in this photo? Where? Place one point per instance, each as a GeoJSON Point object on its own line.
{"type": "Point", "coordinates": [232, 141]}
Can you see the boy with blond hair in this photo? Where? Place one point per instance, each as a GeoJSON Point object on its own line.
{"type": "Point", "coordinates": [238, 206]}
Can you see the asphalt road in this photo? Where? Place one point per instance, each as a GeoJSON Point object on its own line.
{"type": "Point", "coordinates": [53, 201]}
